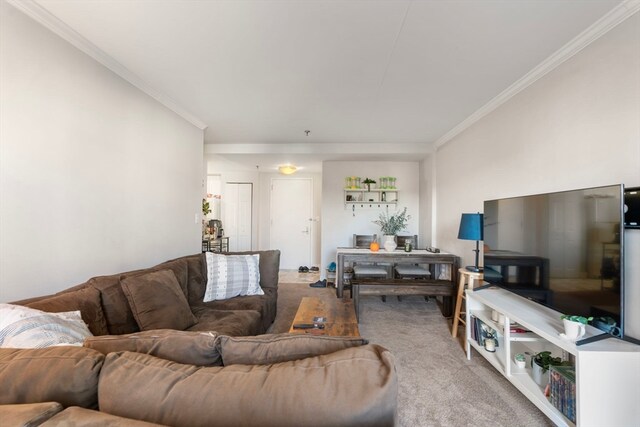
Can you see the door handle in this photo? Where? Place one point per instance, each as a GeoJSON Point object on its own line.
{"type": "Point", "coordinates": [306, 230]}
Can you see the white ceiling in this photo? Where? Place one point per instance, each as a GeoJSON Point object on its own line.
{"type": "Point", "coordinates": [355, 72]}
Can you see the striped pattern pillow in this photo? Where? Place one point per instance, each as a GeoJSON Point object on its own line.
{"type": "Point", "coordinates": [229, 276]}
{"type": "Point", "coordinates": [23, 327]}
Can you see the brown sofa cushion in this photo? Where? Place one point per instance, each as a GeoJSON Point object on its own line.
{"type": "Point", "coordinates": [356, 386]}
{"type": "Point", "coordinates": [116, 308]}
{"type": "Point", "coordinates": [79, 417]}
{"type": "Point", "coordinates": [28, 414]}
{"type": "Point", "coordinates": [180, 269]}
{"type": "Point", "coordinates": [194, 348]}
{"type": "Point", "coordinates": [87, 300]}
{"type": "Point", "coordinates": [68, 375]}
{"type": "Point", "coordinates": [157, 302]}
{"type": "Point", "coordinates": [277, 348]}
{"type": "Point", "coordinates": [264, 304]}
{"type": "Point", "coordinates": [227, 322]}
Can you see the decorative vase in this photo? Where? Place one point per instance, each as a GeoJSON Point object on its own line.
{"type": "Point", "coordinates": [390, 243]}
{"type": "Point", "coordinates": [539, 375]}
{"type": "Point", "coordinates": [573, 330]}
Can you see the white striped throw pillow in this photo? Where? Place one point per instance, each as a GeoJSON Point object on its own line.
{"type": "Point", "coordinates": [229, 276]}
{"type": "Point", "coordinates": [23, 327]}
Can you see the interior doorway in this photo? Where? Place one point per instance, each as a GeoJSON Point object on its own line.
{"type": "Point", "coordinates": [236, 221]}
{"type": "Point", "coordinates": [291, 220]}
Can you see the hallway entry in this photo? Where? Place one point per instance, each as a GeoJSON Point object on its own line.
{"type": "Point", "coordinates": [291, 220]}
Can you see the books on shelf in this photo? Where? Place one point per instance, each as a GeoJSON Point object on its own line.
{"type": "Point", "coordinates": [480, 331]}
{"type": "Point", "coordinates": [562, 381]}
{"type": "Point", "coordinates": [517, 329]}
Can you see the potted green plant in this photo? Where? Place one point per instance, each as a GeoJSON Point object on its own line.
{"type": "Point", "coordinates": [520, 360]}
{"type": "Point", "coordinates": [540, 363]}
{"type": "Point", "coordinates": [390, 225]}
{"type": "Point", "coordinates": [368, 181]}
{"type": "Point", "coordinates": [574, 326]}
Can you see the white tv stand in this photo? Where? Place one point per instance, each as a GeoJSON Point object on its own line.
{"type": "Point", "coordinates": [607, 371]}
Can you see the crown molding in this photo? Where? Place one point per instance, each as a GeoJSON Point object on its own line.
{"type": "Point", "coordinates": [617, 15]}
{"type": "Point", "coordinates": [48, 20]}
{"type": "Point", "coordinates": [319, 148]}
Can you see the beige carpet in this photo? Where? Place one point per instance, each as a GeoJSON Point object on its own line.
{"type": "Point", "coordinates": [437, 385]}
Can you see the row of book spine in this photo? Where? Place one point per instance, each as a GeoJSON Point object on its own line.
{"type": "Point", "coordinates": [563, 390]}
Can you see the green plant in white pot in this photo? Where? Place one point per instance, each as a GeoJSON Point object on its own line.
{"type": "Point", "coordinates": [574, 326]}
{"type": "Point", "coordinates": [391, 225]}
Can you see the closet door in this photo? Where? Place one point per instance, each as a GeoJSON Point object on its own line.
{"type": "Point", "coordinates": [237, 218]}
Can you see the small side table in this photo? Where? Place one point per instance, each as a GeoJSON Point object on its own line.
{"type": "Point", "coordinates": [468, 279]}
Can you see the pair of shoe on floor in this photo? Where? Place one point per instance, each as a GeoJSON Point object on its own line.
{"type": "Point", "coordinates": [319, 284]}
{"type": "Point", "coordinates": [305, 269]}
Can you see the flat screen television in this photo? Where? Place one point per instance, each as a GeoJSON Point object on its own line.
{"type": "Point", "coordinates": [563, 250]}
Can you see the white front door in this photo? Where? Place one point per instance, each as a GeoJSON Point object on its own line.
{"type": "Point", "coordinates": [291, 220]}
{"type": "Point", "coordinates": [237, 215]}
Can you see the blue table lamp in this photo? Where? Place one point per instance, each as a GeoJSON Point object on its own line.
{"type": "Point", "coordinates": [471, 228]}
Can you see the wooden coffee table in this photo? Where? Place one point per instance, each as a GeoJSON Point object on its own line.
{"type": "Point", "coordinates": [340, 317]}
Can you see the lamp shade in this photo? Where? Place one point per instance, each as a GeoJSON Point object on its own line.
{"type": "Point", "coordinates": [471, 227]}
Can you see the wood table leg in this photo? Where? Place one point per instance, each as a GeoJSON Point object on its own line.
{"type": "Point", "coordinates": [355, 293]}
{"type": "Point", "coordinates": [456, 314]}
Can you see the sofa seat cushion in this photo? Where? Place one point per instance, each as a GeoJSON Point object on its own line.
{"type": "Point", "coordinates": [81, 417]}
{"type": "Point", "coordinates": [264, 304]}
{"type": "Point", "coordinates": [86, 300]}
{"type": "Point", "coordinates": [68, 375]}
{"type": "Point", "coordinates": [277, 348]}
{"type": "Point", "coordinates": [195, 348]}
{"type": "Point", "coordinates": [28, 414]}
{"type": "Point", "coordinates": [157, 301]}
{"type": "Point", "coordinates": [227, 322]}
{"type": "Point", "coordinates": [355, 386]}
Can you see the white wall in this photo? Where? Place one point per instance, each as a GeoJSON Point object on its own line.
{"type": "Point", "coordinates": [577, 127]}
{"type": "Point", "coordinates": [95, 176]}
{"type": "Point", "coordinates": [339, 223]}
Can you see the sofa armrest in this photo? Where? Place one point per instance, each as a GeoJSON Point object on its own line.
{"type": "Point", "coordinates": [65, 374]}
{"type": "Point", "coordinates": [352, 387]}
{"type": "Point", "coordinates": [195, 348]}
{"type": "Point", "coordinates": [277, 348]}
{"type": "Point", "coordinates": [28, 414]}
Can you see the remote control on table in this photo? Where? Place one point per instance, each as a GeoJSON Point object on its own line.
{"type": "Point", "coordinates": [308, 326]}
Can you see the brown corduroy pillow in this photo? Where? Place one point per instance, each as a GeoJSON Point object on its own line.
{"type": "Point", "coordinates": [157, 302]}
{"type": "Point", "coordinates": [193, 348]}
{"type": "Point", "coordinates": [278, 348]}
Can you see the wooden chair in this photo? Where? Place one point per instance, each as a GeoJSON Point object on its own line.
{"type": "Point", "coordinates": [369, 270]}
{"type": "Point", "coordinates": [409, 271]}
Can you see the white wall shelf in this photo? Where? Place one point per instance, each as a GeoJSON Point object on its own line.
{"type": "Point", "coordinates": [374, 198]}
{"type": "Point", "coordinates": [607, 371]}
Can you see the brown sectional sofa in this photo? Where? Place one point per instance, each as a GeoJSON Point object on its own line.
{"type": "Point", "coordinates": [219, 371]}
{"type": "Point", "coordinates": [106, 310]}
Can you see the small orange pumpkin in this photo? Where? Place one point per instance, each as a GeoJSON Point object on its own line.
{"type": "Point", "coordinates": [374, 247]}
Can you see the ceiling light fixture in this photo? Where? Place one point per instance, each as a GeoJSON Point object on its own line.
{"type": "Point", "coordinates": [287, 169]}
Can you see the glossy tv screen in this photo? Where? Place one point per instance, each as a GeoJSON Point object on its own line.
{"type": "Point", "coordinates": [563, 250]}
